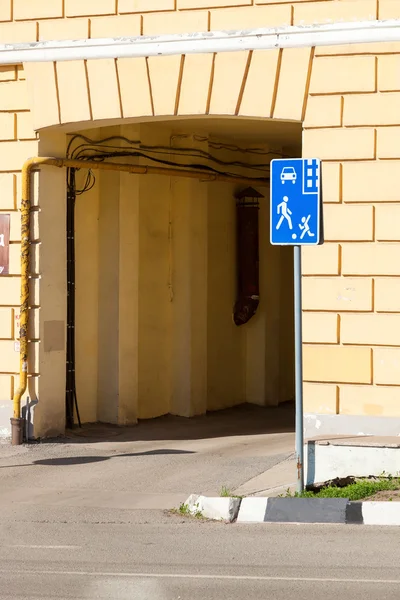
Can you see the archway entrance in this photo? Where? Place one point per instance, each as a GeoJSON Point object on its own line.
{"type": "Point", "coordinates": [157, 270]}
{"type": "Point", "coordinates": [169, 93]}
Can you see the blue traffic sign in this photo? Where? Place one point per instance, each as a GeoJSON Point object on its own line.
{"type": "Point", "coordinates": [295, 185]}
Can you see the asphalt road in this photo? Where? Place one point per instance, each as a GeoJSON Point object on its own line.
{"type": "Point", "coordinates": [157, 556]}
{"type": "Point", "coordinates": [81, 519]}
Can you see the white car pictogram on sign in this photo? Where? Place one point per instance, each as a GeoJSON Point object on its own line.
{"type": "Point", "coordinates": [288, 174]}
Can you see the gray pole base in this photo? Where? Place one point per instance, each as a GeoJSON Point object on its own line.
{"type": "Point", "coordinates": [17, 431]}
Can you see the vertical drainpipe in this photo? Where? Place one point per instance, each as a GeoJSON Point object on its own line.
{"type": "Point", "coordinates": [17, 421]}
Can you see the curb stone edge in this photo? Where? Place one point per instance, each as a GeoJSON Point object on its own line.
{"type": "Point", "coordinates": [295, 510]}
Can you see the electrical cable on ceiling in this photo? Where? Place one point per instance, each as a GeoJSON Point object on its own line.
{"type": "Point", "coordinates": [102, 149]}
{"type": "Point", "coordinates": [197, 166]}
{"type": "Point", "coordinates": [90, 147]}
{"type": "Point", "coordinates": [211, 143]}
{"type": "Point", "coordinates": [230, 147]}
{"type": "Point", "coordinates": [83, 148]}
{"type": "Point", "coordinates": [87, 153]}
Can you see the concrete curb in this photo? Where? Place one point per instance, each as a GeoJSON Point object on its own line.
{"type": "Point", "coordinates": [225, 509]}
{"type": "Point", "coordinates": [295, 510]}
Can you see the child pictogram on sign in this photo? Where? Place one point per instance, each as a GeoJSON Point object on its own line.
{"type": "Point", "coordinates": [305, 227]}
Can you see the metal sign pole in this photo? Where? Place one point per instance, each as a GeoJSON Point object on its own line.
{"type": "Point", "coordinates": [295, 220]}
{"type": "Point", "coordinates": [298, 368]}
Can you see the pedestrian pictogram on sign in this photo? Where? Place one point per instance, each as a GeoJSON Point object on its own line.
{"type": "Point", "coordinates": [295, 201]}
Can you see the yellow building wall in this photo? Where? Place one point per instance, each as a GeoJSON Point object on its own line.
{"type": "Point", "coordinates": [123, 304]}
{"type": "Point", "coordinates": [17, 142]}
{"type": "Point", "coordinates": [226, 366]}
{"type": "Point", "coordinates": [347, 98]}
{"type": "Point", "coordinates": [87, 210]}
{"type": "Point", "coordinates": [154, 311]}
{"type": "Point", "coordinates": [188, 285]}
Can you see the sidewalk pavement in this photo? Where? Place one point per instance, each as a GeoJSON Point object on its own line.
{"type": "Point", "coordinates": [273, 482]}
{"type": "Point", "coordinates": [153, 466]}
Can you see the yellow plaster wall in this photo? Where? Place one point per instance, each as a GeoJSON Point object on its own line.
{"type": "Point", "coordinates": [226, 368]}
{"type": "Point", "coordinates": [48, 356]}
{"type": "Point", "coordinates": [128, 358]}
{"type": "Point", "coordinates": [188, 288]}
{"type": "Point", "coordinates": [87, 241]}
{"type": "Point", "coordinates": [154, 305]}
{"type": "Point", "coordinates": [108, 297]}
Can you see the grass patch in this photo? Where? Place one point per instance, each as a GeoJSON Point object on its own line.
{"type": "Point", "coordinates": [227, 493]}
{"type": "Point", "coordinates": [355, 491]}
{"type": "Point", "coordinates": [184, 511]}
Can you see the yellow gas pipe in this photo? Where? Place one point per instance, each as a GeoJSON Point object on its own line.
{"type": "Point", "coordinates": [29, 165]}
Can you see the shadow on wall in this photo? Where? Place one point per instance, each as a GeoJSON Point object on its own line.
{"type": "Point", "coordinates": [27, 412]}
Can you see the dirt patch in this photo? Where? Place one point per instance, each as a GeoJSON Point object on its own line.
{"type": "Point", "coordinates": [384, 496]}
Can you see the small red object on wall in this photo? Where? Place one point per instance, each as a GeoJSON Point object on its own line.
{"type": "Point", "coordinates": [4, 244]}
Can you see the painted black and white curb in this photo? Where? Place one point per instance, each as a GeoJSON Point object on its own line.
{"type": "Point", "coordinates": [318, 510]}
{"type": "Point", "coordinates": [295, 510]}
